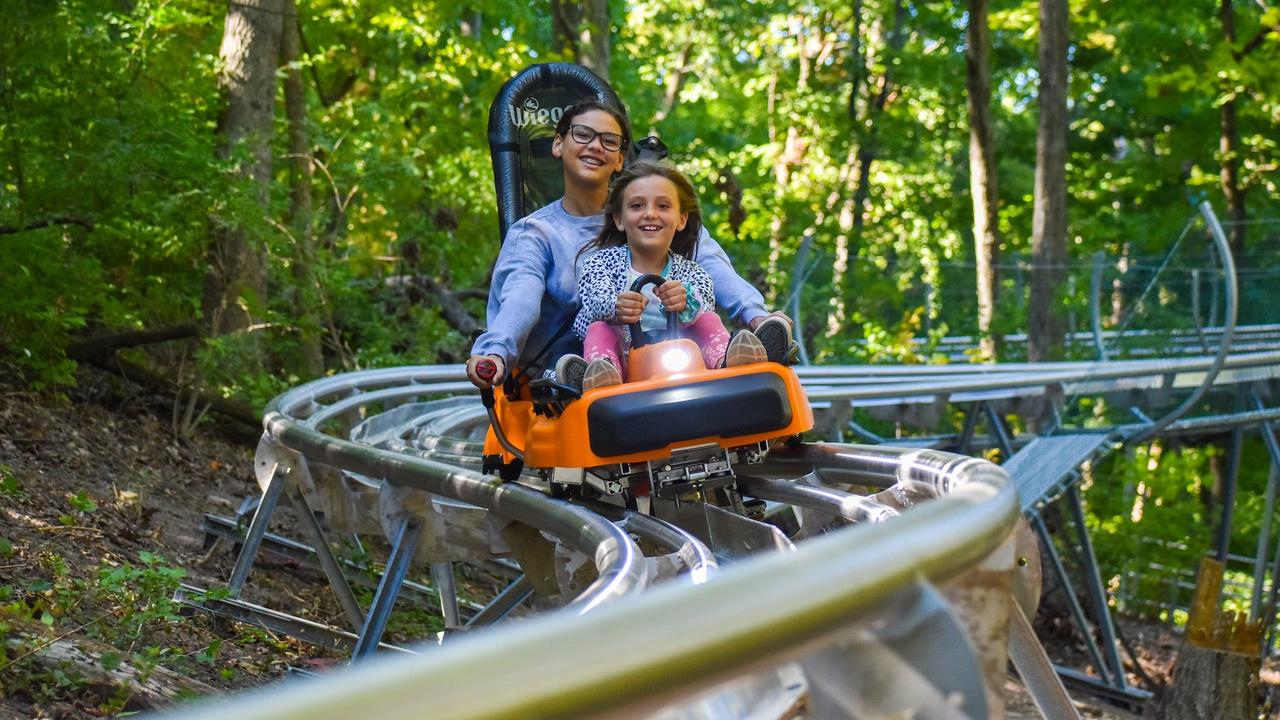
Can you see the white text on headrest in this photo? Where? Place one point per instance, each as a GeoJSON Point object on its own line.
{"type": "Point", "coordinates": [530, 114]}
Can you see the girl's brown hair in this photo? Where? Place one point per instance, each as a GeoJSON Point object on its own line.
{"type": "Point", "coordinates": [685, 240]}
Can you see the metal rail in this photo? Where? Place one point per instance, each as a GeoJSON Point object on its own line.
{"type": "Point", "coordinates": [676, 639]}
{"type": "Point", "coordinates": [618, 561]}
{"type": "Point", "coordinates": [295, 420]}
{"type": "Point", "coordinates": [1229, 270]}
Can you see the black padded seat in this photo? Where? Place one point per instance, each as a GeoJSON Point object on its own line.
{"type": "Point", "coordinates": [653, 419]}
{"type": "Point", "coordinates": [522, 125]}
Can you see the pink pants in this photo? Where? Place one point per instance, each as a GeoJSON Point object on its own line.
{"type": "Point", "coordinates": [605, 340]}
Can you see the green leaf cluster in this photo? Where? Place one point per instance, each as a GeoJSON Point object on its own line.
{"type": "Point", "coordinates": [845, 123]}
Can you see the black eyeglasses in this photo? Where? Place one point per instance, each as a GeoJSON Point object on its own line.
{"type": "Point", "coordinates": [583, 135]}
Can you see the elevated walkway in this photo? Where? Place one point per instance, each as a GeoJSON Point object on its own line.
{"type": "Point", "coordinates": [1043, 467]}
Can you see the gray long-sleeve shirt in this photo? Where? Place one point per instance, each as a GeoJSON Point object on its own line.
{"type": "Point", "coordinates": [535, 287]}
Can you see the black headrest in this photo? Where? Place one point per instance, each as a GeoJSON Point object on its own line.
{"type": "Point", "coordinates": [522, 124]}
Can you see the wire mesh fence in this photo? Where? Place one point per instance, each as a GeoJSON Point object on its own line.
{"type": "Point", "coordinates": [1124, 304]}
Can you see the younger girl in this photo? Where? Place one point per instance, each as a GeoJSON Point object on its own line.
{"type": "Point", "coordinates": [652, 223]}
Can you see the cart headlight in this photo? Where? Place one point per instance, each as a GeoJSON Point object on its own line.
{"type": "Point", "coordinates": [676, 359]}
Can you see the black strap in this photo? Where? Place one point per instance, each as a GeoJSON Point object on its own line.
{"type": "Point", "coordinates": [564, 327]}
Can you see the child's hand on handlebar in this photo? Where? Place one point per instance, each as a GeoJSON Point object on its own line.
{"type": "Point", "coordinates": [486, 371]}
{"type": "Point", "coordinates": [673, 295]}
{"type": "Point", "coordinates": [630, 307]}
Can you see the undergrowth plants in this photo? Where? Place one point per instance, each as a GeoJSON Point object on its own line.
{"type": "Point", "coordinates": [125, 607]}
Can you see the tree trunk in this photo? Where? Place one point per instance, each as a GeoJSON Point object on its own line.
{"type": "Point", "coordinates": [1229, 147]}
{"type": "Point", "coordinates": [1216, 673]}
{"type": "Point", "coordinates": [781, 179]}
{"type": "Point", "coordinates": [306, 306]}
{"type": "Point", "coordinates": [1049, 219]}
{"type": "Point", "coordinates": [894, 42]}
{"type": "Point", "coordinates": [594, 46]}
{"type": "Point", "coordinates": [1210, 684]}
{"type": "Point", "coordinates": [675, 81]}
{"type": "Point", "coordinates": [237, 275]}
{"type": "Point", "coordinates": [982, 175]}
{"type": "Point", "coordinates": [581, 29]}
{"type": "Point", "coordinates": [566, 15]}
{"type": "Point", "coordinates": [855, 209]}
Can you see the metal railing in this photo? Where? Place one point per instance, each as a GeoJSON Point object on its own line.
{"type": "Point", "coordinates": [675, 639]}
{"type": "Point", "coordinates": [641, 649]}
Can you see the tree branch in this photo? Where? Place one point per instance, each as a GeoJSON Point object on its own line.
{"type": "Point", "coordinates": [46, 222]}
{"type": "Point", "coordinates": [448, 303]}
{"type": "Point", "coordinates": [101, 352]}
{"type": "Point", "coordinates": [1256, 41]}
{"type": "Point", "coordinates": [471, 294]}
{"type": "Point", "coordinates": [103, 347]}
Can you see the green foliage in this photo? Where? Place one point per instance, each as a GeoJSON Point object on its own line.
{"type": "Point", "coordinates": [97, 126]}
{"type": "Point", "coordinates": [82, 502]}
{"type": "Point", "coordinates": [1152, 513]}
{"type": "Point", "coordinates": [794, 119]}
{"type": "Point", "coordinates": [9, 485]}
{"type": "Point", "coordinates": [143, 593]}
{"type": "Point", "coordinates": [123, 607]}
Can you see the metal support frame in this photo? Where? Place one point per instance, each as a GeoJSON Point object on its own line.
{"type": "Point", "coordinates": [332, 571]}
{"type": "Point", "coordinates": [1093, 581]}
{"type": "Point", "coordinates": [1269, 645]}
{"type": "Point", "coordinates": [442, 577]}
{"type": "Point", "coordinates": [1222, 539]}
{"type": "Point", "coordinates": [965, 441]}
{"type": "Point", "coordinates": [1068, 589]}
{"type": "Point", "coordinates": [246, 612]}
{"type": "Point", "coordinates": [509, 599]}
{"type": "Point", "coordinates": [257, 529]}
{"type": "Point", "coordinates": [406, 543]}
{"type": "Point", "coordinates": [1128, 695]}
{"type": "Point", "coordinates": [219, 527]}
{"type": "Point", "coordinates": [1264, 533]}
{"type": "Point", "coordinates": [1037, 672]}
{"type": "Point", "coordinates": [999, 430]}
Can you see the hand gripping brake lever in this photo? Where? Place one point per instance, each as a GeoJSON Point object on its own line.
{"type": "Point", "coordinates": [487, 370]}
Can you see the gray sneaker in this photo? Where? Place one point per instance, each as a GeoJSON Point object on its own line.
{"type": "Point", "coordinates": [775, 336]}
{"type": "Point", "coordinates": [601, 373]}
{"type": "Point", "coordinates": [570, 370]}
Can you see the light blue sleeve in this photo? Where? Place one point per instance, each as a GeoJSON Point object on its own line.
{"type": "Point", "coordinates": [738, 297]}
{"type": "Point", "coordinates": [515, 294]}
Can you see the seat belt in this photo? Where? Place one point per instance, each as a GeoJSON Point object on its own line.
{"type": "Point", "coordinates": [559, 333]}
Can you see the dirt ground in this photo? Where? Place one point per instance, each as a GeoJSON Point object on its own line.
{"type": "Point", "coordinates": [100, 511]}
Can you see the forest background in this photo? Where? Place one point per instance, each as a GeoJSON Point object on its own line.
{"type": "Point", "coordinates": [294, 190]}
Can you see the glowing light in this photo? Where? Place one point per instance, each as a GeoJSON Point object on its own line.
{"type": "Point", "coordinates": [676, 359]}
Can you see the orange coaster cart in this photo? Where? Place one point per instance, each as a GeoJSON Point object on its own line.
{"type": "Point", "coordinates": [675, 429]}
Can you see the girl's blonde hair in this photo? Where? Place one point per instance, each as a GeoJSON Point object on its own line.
{"type": "Point", "coordinates": [685, 240]}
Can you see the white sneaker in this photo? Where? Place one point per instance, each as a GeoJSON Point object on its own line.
{"type": "Point", "coordinates": [601, 373]}
{"type": "Point", "coordinates": [744, 349]}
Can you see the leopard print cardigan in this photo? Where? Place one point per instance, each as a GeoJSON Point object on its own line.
{"type": "Point", "coordinates": [604, 275]}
